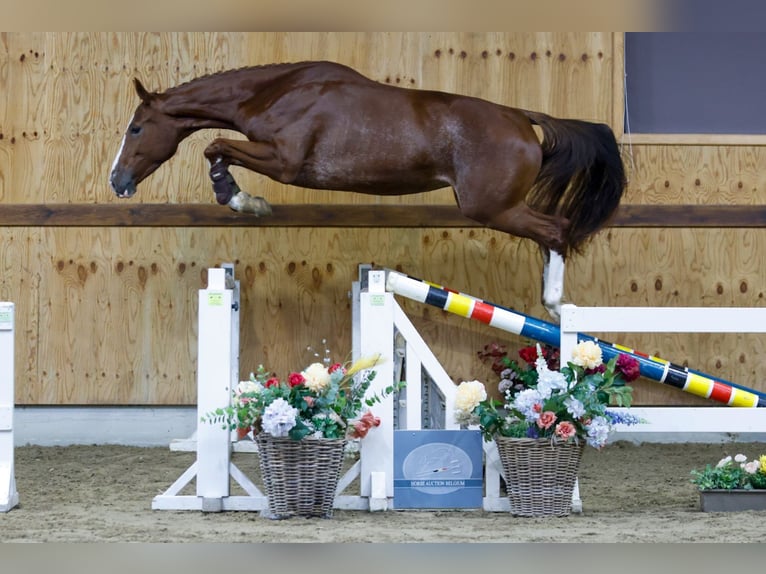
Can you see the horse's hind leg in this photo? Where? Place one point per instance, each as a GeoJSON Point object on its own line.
{"type": "Point", "coordinates": [553, 282]}
{"type": "Point", "coordinates": [548, 231]}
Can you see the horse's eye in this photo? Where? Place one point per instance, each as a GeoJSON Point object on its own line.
{"type": "Point", "coordinates": [135, 130]}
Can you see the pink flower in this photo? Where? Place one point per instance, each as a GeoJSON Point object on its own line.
{"type": "Point", "coordinates": [546, 419]}
{"type": "Point", "coordinates": [628, 367]}
{"type": "Point", "coordinates": [565, 430]}
{"type": "Point", "coordinates": [295, 379]}
{"type": "Point", "coordinates": [272, 382]}
{"type": "Point", "coordinates": [309, 401]}
{"type": "Point", "coordinates": [363, 425]}
{"type": "Point", "coordinates": [359, 430]}
{"type": "Point", "coordinates": [371, 419]}
{"type": "Point", "coordinates": [537, 407]}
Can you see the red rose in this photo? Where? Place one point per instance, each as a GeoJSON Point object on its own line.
{"type": "Point", "coordinates": [600, 369]}
{"type": "Point", "coordinates": [628, 367]}
{"type": "Point", "coordinates": [528, 355]}
{"type": "Point", "coordinates": [272, 382]}
{"type": "Point", "coordinates": [295, 379]}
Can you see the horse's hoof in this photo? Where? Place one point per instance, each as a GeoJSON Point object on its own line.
{"type": "Point", "coordinates": [554, 310]}
{"type": "Point", "coordinates": [245, 203]}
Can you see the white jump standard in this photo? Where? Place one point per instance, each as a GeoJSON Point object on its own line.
{"type": "Point", "coordinates": [217, 375]}
{"type": "Point", "coordinates": [9, 497]}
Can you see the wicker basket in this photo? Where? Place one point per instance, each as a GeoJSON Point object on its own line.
{"type": "Point", "coordinates": [540, 475]}
{"type": "Point", "coordinates": [300, 477]}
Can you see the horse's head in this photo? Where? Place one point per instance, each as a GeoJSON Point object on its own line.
{"type": "Point", "coordinates": [151, 139]}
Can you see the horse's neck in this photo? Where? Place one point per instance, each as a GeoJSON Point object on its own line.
{"type": "Point", "coordinates": [213, 101]}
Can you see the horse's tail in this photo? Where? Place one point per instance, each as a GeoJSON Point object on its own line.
{"type": "Point", "coordinates": [581, 178]}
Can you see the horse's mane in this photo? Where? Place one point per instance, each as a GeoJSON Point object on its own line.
{"type": "Point", "coordinates": [223, 74]}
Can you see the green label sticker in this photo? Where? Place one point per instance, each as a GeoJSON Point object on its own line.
{"type": "Point", "coordinates": [377, 300]}
{"type": "Point", "coordinates": [215, 299]}
{"type": "Point", "coordinates": [6, 318]}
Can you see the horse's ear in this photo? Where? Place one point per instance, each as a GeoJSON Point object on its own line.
{"type": "Point", "coordinates": [142, 92]}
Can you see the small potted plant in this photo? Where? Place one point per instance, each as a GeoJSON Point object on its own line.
{"type": "Point", "coordinates": [733, 484]}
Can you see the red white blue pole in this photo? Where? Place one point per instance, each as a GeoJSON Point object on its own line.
{"type": "Point", "coordinates": [517, 323]}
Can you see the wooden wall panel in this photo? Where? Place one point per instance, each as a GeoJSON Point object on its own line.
{"type": "Point", "coordinates": [19, 283]}
{"type": "Point", "coordinates": [679, 267]}
{"type": "Point", "coordinates": [114, 320]}
{"type": "Point", "coordinates": [704, 174]}
{"type": "Point", "coordinates": [108, 315]}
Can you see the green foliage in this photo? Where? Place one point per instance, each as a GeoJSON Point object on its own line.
{"type": "Point", "coordinates": [732, 473]}
{"type": "Point", "coordinates": [543, 401]}
{"type": "Point", "coordinates": [321, 401]}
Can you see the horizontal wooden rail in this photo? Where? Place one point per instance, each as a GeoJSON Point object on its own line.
{"type": "Point", "coordinates": [323, 215]}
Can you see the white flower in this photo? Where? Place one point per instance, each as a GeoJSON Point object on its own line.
{"type": "Point", "coordinates": [587, 354]}
{"type": "Point", "coordinates": [723, 462]}
{"type": "Point", "coordinates": [279, 417]}
{"type": "Point", "coordinates": [250, 386]}
{"type": "Point", "coordinates": [752, 467]}
{"type": "Point", "coordinates": [549, 381]}
{"type": "Point", "coordinates": [525, 401]}
{"type": "Point", "coordinates": [317, 377]}
{"type": "Point", "coordinates": [468, 395]}
{"type": "Point", "coordinates": [740, 458]}
{"type": "Point", "coordinates": [598, 432]}
{"type": "Point", "coordinates": [574, 407]}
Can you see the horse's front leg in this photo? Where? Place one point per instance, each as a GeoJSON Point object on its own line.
{"type": "Point", "coordinates": [226, 190]}
{"type": "Point", "coordinates": [553, 282]}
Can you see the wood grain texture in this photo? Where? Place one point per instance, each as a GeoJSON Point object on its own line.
{"type": "Point", "coordinates": [106, 290]}
{"type": "Point", "coordinates": [114, 322]}
{"type": "Point", "coordinates": [349, 215]}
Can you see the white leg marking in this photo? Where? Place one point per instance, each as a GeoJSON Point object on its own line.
{"type": "Point", "coordinates": [246, 203]}
{"type": "Point", "coordinates": [553, 283]}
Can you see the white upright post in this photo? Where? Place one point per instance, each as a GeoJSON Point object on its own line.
{"type": "Point", "coordinates": [9, 497]}
{"type": "Point", "coordinates": [214, 368]}
{"type": "Point", "coordinates": [377, 336]}
{"type": "Point", "coordinates": [217, 375]}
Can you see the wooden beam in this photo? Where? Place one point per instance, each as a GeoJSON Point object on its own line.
{"type": "Point", "coordinates": [690, 216]}
{"type": "Point", "coordinates": [316, 215]}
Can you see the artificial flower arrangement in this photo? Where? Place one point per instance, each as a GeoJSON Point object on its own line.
{"type": "Point", "coordinates": [321, 401]}
{"type": "Point", "coordinates": [732, 473]}
{"type": "Point", "coordinates": [566, 405]}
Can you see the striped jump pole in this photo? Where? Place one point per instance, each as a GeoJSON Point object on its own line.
{"type": "Point", "coordinates": [653, 368]}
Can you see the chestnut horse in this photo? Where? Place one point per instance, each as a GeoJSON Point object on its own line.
{"type": "Point", "coordinates": [322, 125]}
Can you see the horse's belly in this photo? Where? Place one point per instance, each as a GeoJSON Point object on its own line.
{"type": "Point", "coordinates": [380, 174]}
{"type": "Point", "coordinates": [369, 181]}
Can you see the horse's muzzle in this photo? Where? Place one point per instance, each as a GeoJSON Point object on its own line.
{"type": "Point", "coordinates": [123, 185]}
